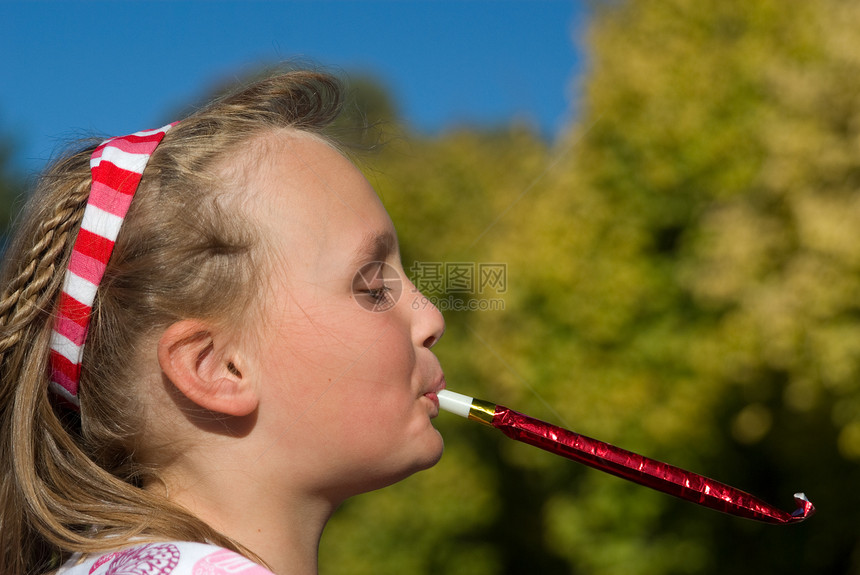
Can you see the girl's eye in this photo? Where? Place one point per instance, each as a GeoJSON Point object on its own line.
{"type": "Point", "coordinates": [380, 297]}
{"type": "Point", "coordinates": [377, 286]}
{"type": "Point", "coordinates": [379, 294]}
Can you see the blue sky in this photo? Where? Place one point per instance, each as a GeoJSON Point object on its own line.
{"type": "Point", "coordinates": [76, 68]}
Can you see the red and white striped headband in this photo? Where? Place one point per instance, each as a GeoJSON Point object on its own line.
{"type": "Point", "coordinates": [117, 166]}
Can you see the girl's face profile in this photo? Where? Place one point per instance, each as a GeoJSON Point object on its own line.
{"type": "Point", "coordinates": [344, 366]}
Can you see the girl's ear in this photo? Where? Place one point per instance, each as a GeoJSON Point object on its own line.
{"type": "Point", "coordinates": [204, 365]}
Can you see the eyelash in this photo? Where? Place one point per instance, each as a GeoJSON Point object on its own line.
{"type": "Point", "coordinates": [379, 294]}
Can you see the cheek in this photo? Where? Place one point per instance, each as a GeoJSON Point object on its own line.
{"type": "Point", "coordinates": [375, 347]}
{"type": "Point", "coordinates": [387, 436]}
{"type": "Point", "coordinates": [388, 366]}
{"type": "Point", "coordinates": [362, 359]}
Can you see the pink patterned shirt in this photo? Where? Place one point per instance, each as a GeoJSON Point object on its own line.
{"type": "Point", "coordinates": [174, 558]}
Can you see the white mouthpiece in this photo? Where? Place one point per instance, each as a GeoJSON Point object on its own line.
{"type": "Point", "coordinates": [455, 403]}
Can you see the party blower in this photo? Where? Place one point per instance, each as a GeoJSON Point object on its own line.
{"type": "Point", "coordinates": [631, 466]}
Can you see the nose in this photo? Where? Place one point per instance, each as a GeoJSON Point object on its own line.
{"type": "Point", "coordinates": [428, 325]}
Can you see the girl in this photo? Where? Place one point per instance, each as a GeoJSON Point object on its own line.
{"type": "Point", "coordinates": [245, 362]}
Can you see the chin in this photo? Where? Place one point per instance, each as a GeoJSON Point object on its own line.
{"type": "Point", "coordinates": [425, 458]}
{"type": "Point", "coordinates": [433, 453]}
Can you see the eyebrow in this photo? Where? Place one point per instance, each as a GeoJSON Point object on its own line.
{"type": "Point", "coordinates": [374, 247]}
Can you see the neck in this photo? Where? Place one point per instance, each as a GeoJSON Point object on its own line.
{"type": "Point", "coordinates": [283, 528]}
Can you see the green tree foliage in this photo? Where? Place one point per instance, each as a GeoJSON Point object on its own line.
{"type": "Point", "coordinates": [682, 281]}
{"type": "Point", "coordinates": [369, 116]}
{"type": "Point", "coordinates": [11, 187]}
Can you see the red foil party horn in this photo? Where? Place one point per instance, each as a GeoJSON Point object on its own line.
{"type": "Point", "coordinates": [622, 463]}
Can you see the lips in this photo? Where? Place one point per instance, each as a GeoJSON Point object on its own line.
{"type": "Point", "coordinates": [431, 394]}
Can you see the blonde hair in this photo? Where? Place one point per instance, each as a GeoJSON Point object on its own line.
{"type": "Point", "coordinates": [73, 483]}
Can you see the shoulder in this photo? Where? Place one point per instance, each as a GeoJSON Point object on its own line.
{"type": "Point", "coordinates": [165, 558]}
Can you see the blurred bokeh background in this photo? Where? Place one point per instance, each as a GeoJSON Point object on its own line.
{"type": "Point", "coordinates": [679, 236]}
